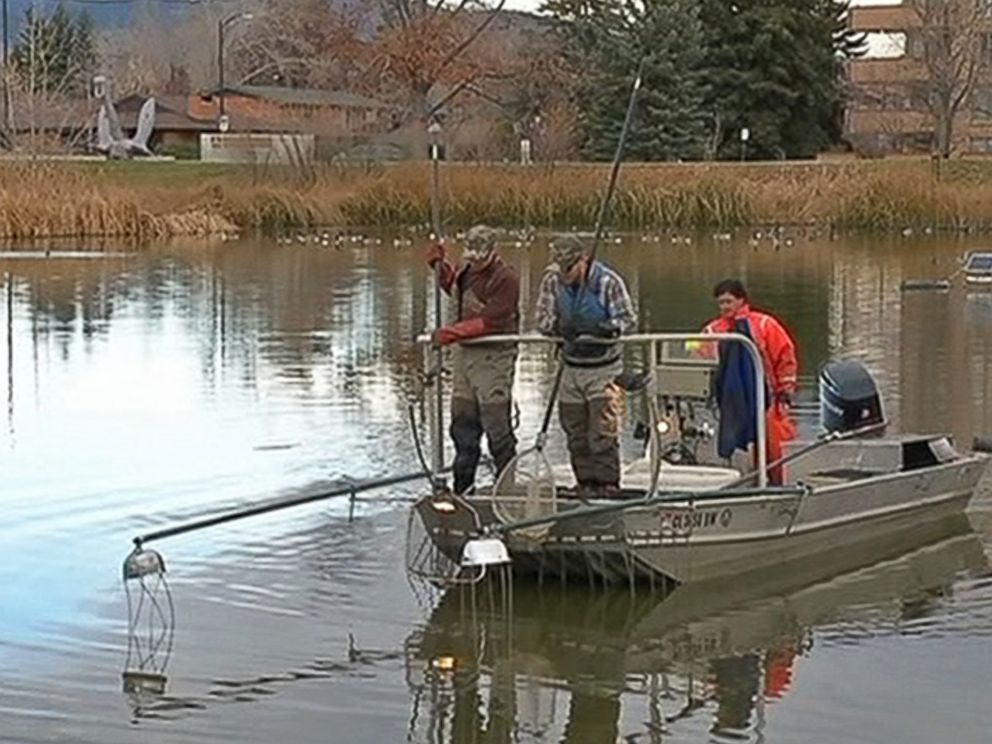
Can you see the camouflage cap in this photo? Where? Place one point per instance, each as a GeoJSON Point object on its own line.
{"type": "Point", "coordinates": [480, 242]}
{"type": "Point", "coordinates": [567, 249]}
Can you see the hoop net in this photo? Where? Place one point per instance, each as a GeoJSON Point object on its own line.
{"type": "Point", "coordinates": [526, 489]}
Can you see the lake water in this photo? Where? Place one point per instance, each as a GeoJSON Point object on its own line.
{"type": "Point", "coordinates": [145, 389]}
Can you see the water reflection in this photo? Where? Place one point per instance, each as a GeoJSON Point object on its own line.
{"type": "Point", "coordinates": [152, 388]}
{"type": "Point", "coordinates": [571, 666]}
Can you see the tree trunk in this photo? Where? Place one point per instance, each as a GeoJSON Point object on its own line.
{"type": "Point", "coordinates": [943, 128]}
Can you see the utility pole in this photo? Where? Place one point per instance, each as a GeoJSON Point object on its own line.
{"type": "Point", "coordinates": [222, 24]}
{"type": "Point", "coordinates": [8, 122]}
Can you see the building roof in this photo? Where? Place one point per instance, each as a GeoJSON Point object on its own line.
{"type": "Point", "coordinates": [302, 96]}
{"type": "Point", "coordinates": [170, 114]}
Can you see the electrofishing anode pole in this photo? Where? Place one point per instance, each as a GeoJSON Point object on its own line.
{"type": "Point", "coordinates": [615, 170]}
{"type": "Point", "coordinates": [348, 488]}
{"type": "Point", "coordinates": [604, 206]}
{"type": "Point", "coordinates": [438, 434]}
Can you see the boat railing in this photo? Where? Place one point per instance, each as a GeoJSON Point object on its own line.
{"type": "Point", "coordinates": [653, 341]}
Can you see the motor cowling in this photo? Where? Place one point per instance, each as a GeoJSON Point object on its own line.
{"type": "Point", "coordinates": [849, 397]}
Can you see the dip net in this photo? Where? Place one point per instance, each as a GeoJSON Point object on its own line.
{"type": "Point", "coordinates": [525, 490]}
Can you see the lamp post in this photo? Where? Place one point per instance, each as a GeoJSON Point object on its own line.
{"type": "Point", "coordinates": [7, 118]}
{"type": "Point", "coordinates": [222, 24]}
{"type": "Point", "coordinates": [745, 136]}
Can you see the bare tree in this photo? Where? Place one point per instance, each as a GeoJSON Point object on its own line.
{"type": "Point", "coordinates": [47, 108]}
{"type": "Point", "coordinates": [418, 54]}
{"type": "Point", "coordinates": [307, 43]}
{"type": "Point", "coordinates": [954, 52]}
{"type": "Point", "coordinates": [422, 51]}
{"type": "Point", "coordinates": [145, 58]}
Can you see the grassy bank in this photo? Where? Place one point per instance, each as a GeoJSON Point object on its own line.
{"type": "Point", "coordinates": [145, 200]}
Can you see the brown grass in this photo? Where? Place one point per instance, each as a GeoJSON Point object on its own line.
{"type": "Point", "coordinates": [156, 200]}
{"type": "Point", "coordinates": [849, 194]}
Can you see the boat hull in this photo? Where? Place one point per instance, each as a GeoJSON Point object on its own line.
{"type": "Point", "coordinates": [687, 541]}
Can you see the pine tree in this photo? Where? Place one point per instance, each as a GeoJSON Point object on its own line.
{"type": "Point", "coordinates": [772, 66]}
{"type": "Point", "coordinates": [84, 52]}
{"type": "Point", "coordinates": [607, 40]}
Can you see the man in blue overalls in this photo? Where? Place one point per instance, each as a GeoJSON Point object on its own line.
{"type": "Point", "coordinates": [582, 297]}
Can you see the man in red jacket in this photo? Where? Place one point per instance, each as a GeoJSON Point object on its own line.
{"type": "Point", "coordinates": [735, 393]}
{"type": "Point", "coordinates": [486, 292]}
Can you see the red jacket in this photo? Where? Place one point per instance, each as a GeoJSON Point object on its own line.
{"type": "Point", "coordinates": [487, 300]}
{"type": "Point", "coordinates": [778, 350]}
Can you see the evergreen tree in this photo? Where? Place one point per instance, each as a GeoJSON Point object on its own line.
{"type": "Point", "coordinates": [773, 66]}
{"type": "Point", "coordinates": [83, 51]}
{"type": "Point", "coordinates": [606, 40]}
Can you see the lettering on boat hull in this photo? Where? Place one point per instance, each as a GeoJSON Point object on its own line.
{"type": "Point", "coordinates": [684, 521]}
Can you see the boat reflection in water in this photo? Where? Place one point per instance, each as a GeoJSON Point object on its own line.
{"type": "Point", "coordinates": [576, 666]}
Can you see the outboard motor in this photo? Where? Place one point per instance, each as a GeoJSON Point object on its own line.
{"type": "Point", "coordinates": [849, 397]}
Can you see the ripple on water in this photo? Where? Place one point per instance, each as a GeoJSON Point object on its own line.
{"type": "Point", "coordinates": [181, 383]}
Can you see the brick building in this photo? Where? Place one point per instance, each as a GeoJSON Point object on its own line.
{"type": "Point", "coordinates": [328, 112]}
{"type": "Point", "coordinates": [889, 88]}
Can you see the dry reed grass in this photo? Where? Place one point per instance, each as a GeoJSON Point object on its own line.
{"type": "Point", "coordinates": [848, 194]}
{"type": "Point", "coordinates": [149, 201]}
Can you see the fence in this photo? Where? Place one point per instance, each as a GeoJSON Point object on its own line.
{"type": "Point", "coordinates": [259, 149]}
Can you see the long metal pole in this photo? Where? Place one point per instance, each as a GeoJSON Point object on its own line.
{"type": "Point", "coordinates": [348, 489]}
{"type": "Point", "coordinates": [7, 122]}
{"type": "Point", "coordinates": [438, 434]}
{"type": "Point", "coordinates": [617, 160]}
{"type": "Point", "coordinates": [220, 64]}
{"type": "Point", "coordinates": [10, 352]}
{"type": "Point", "coordinates": [604, 206]}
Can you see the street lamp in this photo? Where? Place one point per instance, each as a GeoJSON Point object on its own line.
{"type": "Point", "coordinates": [222, 24]}
{"type": "Point", "coordinates": [8, 120]}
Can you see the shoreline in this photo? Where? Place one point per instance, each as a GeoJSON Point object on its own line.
{"type": "Point", "coordinates": [149, 201]}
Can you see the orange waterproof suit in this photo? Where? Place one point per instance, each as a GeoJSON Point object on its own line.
{"type": "Point", "coordinates": [778, 356]}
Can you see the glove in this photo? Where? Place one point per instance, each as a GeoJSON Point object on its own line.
{"type": "Point", "coordinates": [606, 329]}
{"type": "Point", "coordinates": [462, 331]}
{"type": "Point", "coordinates": [442, 337]}
{"type": "Point", "coordinates": [436, 253]}
{"type": "Point", "coordinates": [569, 332]}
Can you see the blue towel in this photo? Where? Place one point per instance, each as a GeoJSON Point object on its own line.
{"type": "Point", "coordinates": [736, 395]}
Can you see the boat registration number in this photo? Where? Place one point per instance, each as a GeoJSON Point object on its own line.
{"type": "Point", "coordinates": [701, 518]}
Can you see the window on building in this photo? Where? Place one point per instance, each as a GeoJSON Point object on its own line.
{"type": "Point", "coordinates": [889, 98]}
{"type": "Point", "coordinates": [885, 45]}
{"type": "Point", "coordinates": [981, 103]}
{"type": "Point", "coordinates": [980, 144]}
{"type": "Point", "coordinates": [915, 141]}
